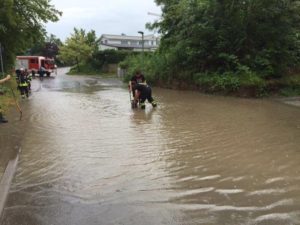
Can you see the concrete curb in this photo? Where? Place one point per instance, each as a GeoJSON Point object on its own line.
{"type": "Point", "coordinates": [6, 180]}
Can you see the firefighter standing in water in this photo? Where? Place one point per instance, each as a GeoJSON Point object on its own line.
{"type": "Point", "coordinates": [140, 90]}
{"type": "Point", "coordinates": [23, 82]}
{"type": "Point", "coordinates": [2, 118]}
{"type": "Point", "coordinates": [28, 78]}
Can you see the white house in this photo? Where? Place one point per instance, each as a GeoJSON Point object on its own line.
{"type": "Point", "coordinates": [133, 43]}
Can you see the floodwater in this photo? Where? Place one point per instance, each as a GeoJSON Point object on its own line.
{"type": "Point", "coordinates": [88, 159]}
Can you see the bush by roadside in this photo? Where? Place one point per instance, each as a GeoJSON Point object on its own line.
{"type": "Point", "coordinates": [89, 70]}
{"type": "Point", "coordinates": [242, 82]}
{"type": "Point", "coordinates": [6, 95]}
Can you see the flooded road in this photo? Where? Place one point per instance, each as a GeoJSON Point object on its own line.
{"type": "Point", "coordinates": [88, 158]}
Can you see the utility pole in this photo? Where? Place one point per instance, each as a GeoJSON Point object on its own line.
{"type": "Point", "coordinates": [142, 33]}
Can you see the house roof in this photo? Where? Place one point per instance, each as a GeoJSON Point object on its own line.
{"type": "Point", "coordinates": [129, 46]}
{"type": "Point", "coordinates": [126, 37]}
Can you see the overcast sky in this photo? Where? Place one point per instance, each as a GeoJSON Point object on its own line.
{"type": "Point", "coordinates": [103, 16]}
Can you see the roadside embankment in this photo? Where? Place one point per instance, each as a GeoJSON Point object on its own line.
{"type": "Point", "coordinates": [6, 180]}
{"type": "Point", "coordinates": [10, 144]}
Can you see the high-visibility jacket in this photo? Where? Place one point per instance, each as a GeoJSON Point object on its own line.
{"type": "Point", "coordinates": [24, 84]}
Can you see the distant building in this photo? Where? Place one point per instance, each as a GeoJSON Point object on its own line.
{"type": "Point", "coordinates": [133, 43]}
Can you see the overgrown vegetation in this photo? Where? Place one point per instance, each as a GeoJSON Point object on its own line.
{"type": "Point", "coordinates": [225, 45]}
{"type": "Point", "coordinates": [6, 95]}
{"type": "Point", "coordinates": [21, 26]}
{"type": "Point", "coordinates": [81, 50]}
{"type": "Point", "coordinates": [102, 59]}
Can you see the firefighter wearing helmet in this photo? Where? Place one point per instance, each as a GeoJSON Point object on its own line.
{"type": "Point", "coordinates": [23, 82]}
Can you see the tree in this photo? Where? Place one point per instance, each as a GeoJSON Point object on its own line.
{"type": "Point", "coordinates": [228, 35]}
{"type": "Point", "coordinates": [78, 48]}
{"type": "Point", "coordinates": [48, 47]}
{"type": "Point", "coordinates": [21, 25]}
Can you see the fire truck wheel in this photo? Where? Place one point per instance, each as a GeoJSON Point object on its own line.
{"type": "Point", "coordinates": [48, 74]}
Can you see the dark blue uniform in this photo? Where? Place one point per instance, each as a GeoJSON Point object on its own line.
{"type": "Point", "coordinates": [145, 93]}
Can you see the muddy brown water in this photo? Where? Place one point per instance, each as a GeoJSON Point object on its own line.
{"type": "Point", "coordinates": [88, 158]}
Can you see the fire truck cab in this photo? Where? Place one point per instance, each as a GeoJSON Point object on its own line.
{"type": "Point", "coordinates": [34, 63]}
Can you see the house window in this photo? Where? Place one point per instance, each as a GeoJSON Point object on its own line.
{"type": "Point", "coordinates": [105, 41]}
{"type": "Point", "coordinates": [123, 42]}
{"type": "Point", "coordinates": [134, 43]}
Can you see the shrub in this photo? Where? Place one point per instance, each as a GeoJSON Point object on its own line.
{"type": "Point", "coordinates": [214, 82]}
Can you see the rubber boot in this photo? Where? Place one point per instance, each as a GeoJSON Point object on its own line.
{"type": "Point", "coordinates": [2, 119]}
{"type": "Point", "coordinates": [143, 105]}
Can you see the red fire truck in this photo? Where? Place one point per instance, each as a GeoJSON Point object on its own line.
{"type": "Point", "coordinates": [34, 63]}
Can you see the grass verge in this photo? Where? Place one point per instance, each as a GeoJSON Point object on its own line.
{"type": "Point", "coordinates": [6, 95]}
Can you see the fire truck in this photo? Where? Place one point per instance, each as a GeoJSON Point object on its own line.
{"type": "Point", "coordinates": [34, 63]}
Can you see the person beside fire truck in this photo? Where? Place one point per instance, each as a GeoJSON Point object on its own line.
{"type": "Point", "coordinates": [42, 72]}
